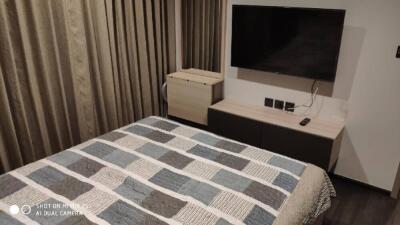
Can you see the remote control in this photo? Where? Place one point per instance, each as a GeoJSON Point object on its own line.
{"type": "Point", "coordinates": [305, 121]}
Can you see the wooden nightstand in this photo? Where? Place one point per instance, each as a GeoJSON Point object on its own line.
{"type": "Point", "coordinates": [191, 92]}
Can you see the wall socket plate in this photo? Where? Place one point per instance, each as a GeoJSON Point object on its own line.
{"type": "Point", "coordinates": [289, 106]}
{"type": "Point", "coordinates": [278, 104]}
{"type": "Point", "coordinates": [269, 102]}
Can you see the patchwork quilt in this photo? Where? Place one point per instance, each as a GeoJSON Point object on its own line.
{"type": "Point", "coordinates": [157, 171]}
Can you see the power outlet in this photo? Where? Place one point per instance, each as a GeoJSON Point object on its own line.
{"type": "Point", "coordinates": [289, 106]}
{"type": "Point", "coordinates": [398, 52]}
{"type": "Point", "coordinates": [278, 104]}
{"type": "Point", "coordinates": [269, 102]}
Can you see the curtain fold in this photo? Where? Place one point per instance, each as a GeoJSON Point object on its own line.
{"type": "Point", "coordinates": [73, 69]}
{"type": "Point", "coordinates": [202, 34]}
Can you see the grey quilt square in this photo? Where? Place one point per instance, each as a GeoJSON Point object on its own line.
{"type": "Point", "coordinates": [9, 185]}
{"type": "Point", "coordinates": [159, 136]}
{"type": "Point", "coordinates": [151, 220]}
{"type": "Point", "coordinates": [200, 191]}
{"type": "Point", "coordinates": [120, 158]}
{"type": "Point", "coordinates": [168, 179]}
{"type": "Point", "coordinates": [148, 121]}
{"type": "Point", "coordinates": [287, 164]}
{"type": "Point", "coordinates": [112, 136]}
{"type": "Point", "coordinates": [152, 150]}
{"type": "Point", "coordinates": [65, 158]}
{"type": "Point", "coordinates": [175, 159]}
{"type": "Point", "coordinates": [231, 180]}
{"type": "Point", "coordinates": [6, 219]}
{"type": "Point", "coordinates": [59, 182]}
{"type": "Point", "coordinates": [286, 181]}
{"type": "Point", "coordinates": [259, 216]}
{"type": "Point", "coordinates": [47, 176]}
{"type": "Point", "coordinates": [222, 222]}
{"type": "Point", "coordinates": [230, 146]}
{"type": "Point", "coordinates": [139, 130]}
{"type": "Point", "coordinates": [204, 152]}
{"type": "Point", "coordinates": [85, 167]}
{"type": "Point", "coordinates": [121, 213]}
{"type": "Point", "coordinates": [265, 194]}
{"type": "Point", "coordinates": [69, 187]}
{"type": "Point", "coordinates": [37, 214]}
{"type": "Point", "coordinates": [232, 161]}
{"type": "Point", "coordinates": [163, 204]}
{"type": "Point", "coordinates": [77, 220]}
{"type": "Point", "coordinates": [206, 138]}
{"type": "Point", "coordinates": [134, 190]}
{"type": "Point", "coordinates": [100, 150]}
{"type": "Point", "coordinates": [164, 125]}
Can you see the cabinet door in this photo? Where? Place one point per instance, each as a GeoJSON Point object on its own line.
{"type": "Point", "coordinates": [302, 146]}
{"type": "Point", "coordinates": [188, 100]}
{"type": "Point", "coordinates": [235, 127]}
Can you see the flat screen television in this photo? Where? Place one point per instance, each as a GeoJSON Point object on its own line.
{"type": "Point", "coordinates": [286, 40]}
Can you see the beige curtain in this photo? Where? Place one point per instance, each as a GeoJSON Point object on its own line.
{"type": "Point", "coordinates": [73, 69]}
{"type": "Point", "coordinates": [202, 34]}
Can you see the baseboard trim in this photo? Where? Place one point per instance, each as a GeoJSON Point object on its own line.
{"type": "Point", "coordinates": [396, 186]}
{"type": "Point", "coordinates": [384, 191]}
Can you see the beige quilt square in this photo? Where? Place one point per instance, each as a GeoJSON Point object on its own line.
{"type": "Point", "coordinates": [201, 169]}
{"type": "Point", "coordinates": [181, 143]}
{"type": "Point", "coordinates": [131, 142]}
{"type": "Point", "coordinates": [232, 204]}
{"type": "Point", "coordinates": [109, 177]}
{"type": "Point", "coordinates": [257, 154]}
{"type": "Point", "coordinates": [95, 200]}
{"type": "Point", "coordinates": [143, 168]}
{"type": "Point", "coordinates": [260, 171]}
{"type": "Point", "coordinates": [185, 131]}
{"type": "Point", "coordinates": [194, 215]}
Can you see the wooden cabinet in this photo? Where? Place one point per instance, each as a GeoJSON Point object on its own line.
{"type": "Point", "coordinates": [299, 145]}
{"type": "Point", "coordinates": [235, 127]}
{"type": "Point", "coordinates": [277, 131]}
{"type": "Point", "coordinates": [190, 94]}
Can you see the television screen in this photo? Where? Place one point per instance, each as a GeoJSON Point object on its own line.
{"type": "Point", "coordinates": [294, 41]}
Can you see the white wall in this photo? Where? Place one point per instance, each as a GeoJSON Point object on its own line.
{"type": "Point", "coordinates": [366, 90]}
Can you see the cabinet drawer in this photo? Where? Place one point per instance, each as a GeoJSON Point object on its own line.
{"type": "Point", "coordinates": [234, 127]}
{"type": "Point", "coordinates": [305, 147]}
{"type": "Point", "coordinates": [189, 100]}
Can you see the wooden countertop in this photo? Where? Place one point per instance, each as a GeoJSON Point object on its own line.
{"type": "Point", "coordinates": [204, 73]}
{"type": "Point", "coordinates": [195, 78]}
{"type": "Point", "coordinates": [320, 127]}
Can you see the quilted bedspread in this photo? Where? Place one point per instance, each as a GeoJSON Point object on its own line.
{"type": "Point", "coordinates": [157, 171]}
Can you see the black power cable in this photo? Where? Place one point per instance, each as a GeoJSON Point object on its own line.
{"type": "Point", "coordinates": [312, 97]}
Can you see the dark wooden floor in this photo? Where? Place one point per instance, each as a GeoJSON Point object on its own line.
{"type": "Point", "coordinates": [356, 204]}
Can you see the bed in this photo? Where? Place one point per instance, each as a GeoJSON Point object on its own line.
{"type": "Point", "coordinates": [157, 171]}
